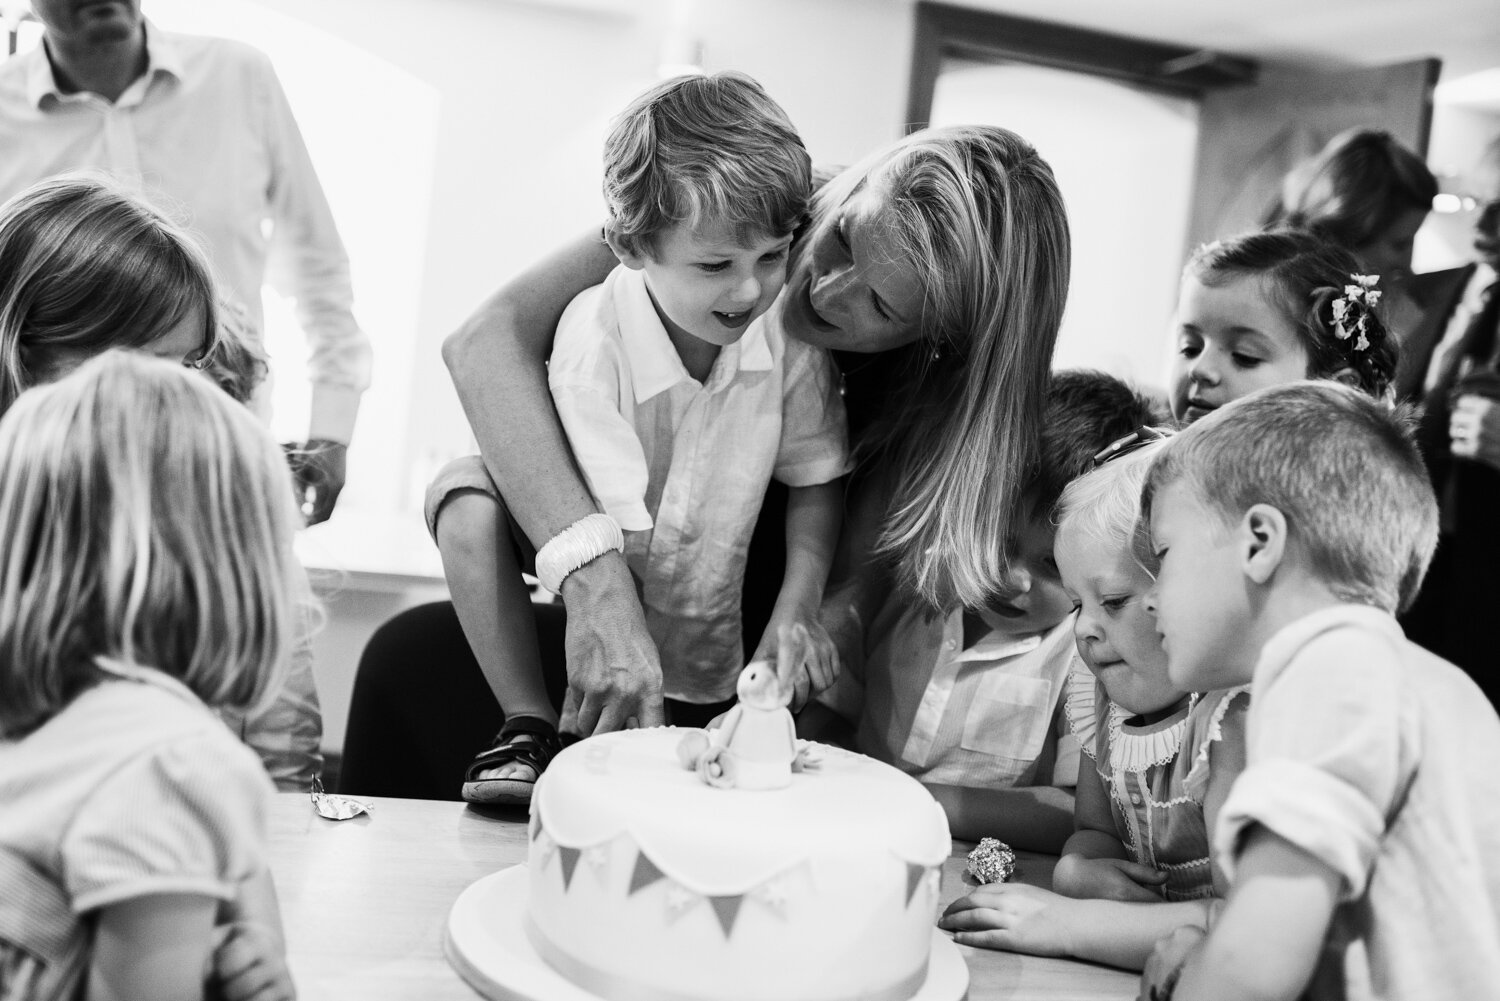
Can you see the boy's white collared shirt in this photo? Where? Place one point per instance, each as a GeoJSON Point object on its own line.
{"type": "Point", "coordinates": [683, 466]}
{"type": "Point", "coordinates": [986, 716]}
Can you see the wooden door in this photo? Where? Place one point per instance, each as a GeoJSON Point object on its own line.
{"type": "Point", "coordinates": [1250, 136]}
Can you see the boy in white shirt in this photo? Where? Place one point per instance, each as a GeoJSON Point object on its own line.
{"type": "Point", "coordinates": [1362, 840]}
{"type": "Point", "coordinates": [681, 399]}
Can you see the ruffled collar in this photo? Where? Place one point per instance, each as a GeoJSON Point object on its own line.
{"type": "Point", "coordinates": [1137, 747]}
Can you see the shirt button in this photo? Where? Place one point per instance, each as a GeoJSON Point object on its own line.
{"type": "Point", "coordinates": [1135, 798]}
{"type": "Point", "coordinates": [949, 645]}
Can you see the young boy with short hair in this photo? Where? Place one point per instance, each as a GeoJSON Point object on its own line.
{"type": "Point", "coordinates": [1362, 840]}
{"type": "Point", "coordinates": [969, 701]}
{"type": "Point", "coordinates": [680, 406]}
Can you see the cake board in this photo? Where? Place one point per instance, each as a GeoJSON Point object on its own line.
{"type": "Point", "coordinates": [487, 944]}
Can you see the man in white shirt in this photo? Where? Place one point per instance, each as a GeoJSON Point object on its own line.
{"type": "Point", "coordinates": [1453, 366]}
{"type": "Point", "coordinates": [201, 127]}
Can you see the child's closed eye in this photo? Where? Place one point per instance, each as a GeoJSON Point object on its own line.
{"type": "Point", "coordinates": [1115, 603]}
{"type": "Point", "coordinates": [713, 267]}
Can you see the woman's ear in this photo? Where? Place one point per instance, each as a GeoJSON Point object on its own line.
{"type": "Point", "coordinates": [1262, 535]}
{"type": "Point", "coordinates": [632, 259]}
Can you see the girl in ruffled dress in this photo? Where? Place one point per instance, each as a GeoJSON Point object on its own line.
{"type": "Point", "coordinates": [1159, 761]}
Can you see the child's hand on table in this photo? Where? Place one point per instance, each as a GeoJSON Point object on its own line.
{"type": "Point", "coordinates": [1159, 978]}
{"type": "Point", "coordinates": [249, 965]}
{"type": "Point", "coordinates": [1014, 917]}
{"type": "Point", "coordinates": [1107, 879]}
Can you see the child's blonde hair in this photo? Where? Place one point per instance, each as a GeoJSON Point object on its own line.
{"type": "Point", "coordinates": [979, 215]}
{"type": "Point", "coordinates": [1104, 504]}
{"type": "Point", "coordinates": [1305, 276]}
{"type": "Point", "coordinates": [704, 147]}
{"type": "Point", "coordinates": [149, 521]}
{"type": "Point", "coordinates": [86, 266]}
{"type": "Point", "coordinates": [1342, 468]}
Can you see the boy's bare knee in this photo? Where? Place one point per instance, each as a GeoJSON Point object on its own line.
{"type": "Point", "coordinates": [470, 522]}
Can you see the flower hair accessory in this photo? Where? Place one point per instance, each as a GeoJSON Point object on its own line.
{"type": "Point", "coordinates": [1351, 311]}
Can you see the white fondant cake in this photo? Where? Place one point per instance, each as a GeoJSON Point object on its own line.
{"type": "Point", "coordinates": [647, 883]}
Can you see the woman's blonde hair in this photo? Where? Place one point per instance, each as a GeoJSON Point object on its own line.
{"type": "Point", "coordinates": [86, 266]}
{"type": "Point", "coordinates": [981, 218]}
{"type": "Point", "coordinates": [148, 521]}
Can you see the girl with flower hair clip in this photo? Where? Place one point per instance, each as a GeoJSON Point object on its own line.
{"type": "Point", "coordinates": [1269, 308]}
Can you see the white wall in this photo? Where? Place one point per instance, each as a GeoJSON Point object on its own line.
{"type": "Point", "coordinates": [1124, 160]}
{"type": "Point", "coordinates": [460, 139]}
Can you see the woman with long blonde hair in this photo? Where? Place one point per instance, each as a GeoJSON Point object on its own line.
{"type": "Point", "coordinates": [936, 270]}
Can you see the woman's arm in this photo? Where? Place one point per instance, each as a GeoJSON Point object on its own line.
{"type": "Point", "coordinates": [498, 362]}
{"type": "Point", "coordinates": [152, 948]}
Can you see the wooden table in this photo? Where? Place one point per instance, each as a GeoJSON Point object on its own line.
{"type": "Point", "coordinates": [365, 903]}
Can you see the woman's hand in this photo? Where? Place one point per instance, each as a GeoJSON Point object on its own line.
{"type": "Point", "coordinates": [1107, 879]}
{"type": "Point", "coordinates": [614, 671]}
{"type": "Point", "coordinates": [1014, 917]}
{"type": "Point", "coordinates": [799, 638]}
{"type": "Point", "coordinates": [1165, 965]}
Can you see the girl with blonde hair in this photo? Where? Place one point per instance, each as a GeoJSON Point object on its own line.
{"type": "Point", "coordinates": [146, 579]}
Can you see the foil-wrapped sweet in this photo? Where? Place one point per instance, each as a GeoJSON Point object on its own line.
{"type": "Point", "coordinates": [992, 861]}
{"type": "Point", "coordinates": [335, 807]}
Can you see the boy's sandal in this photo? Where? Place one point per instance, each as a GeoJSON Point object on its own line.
{"type": "Point", "coordinates": [523, 740]}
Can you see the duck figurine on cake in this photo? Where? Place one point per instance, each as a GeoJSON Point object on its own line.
{"type": "Point", "coordinates": [755, 745]}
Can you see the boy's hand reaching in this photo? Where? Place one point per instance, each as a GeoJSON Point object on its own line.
{"type": "Point", "coordinates": [249, 965]}
{"type": "Point", "coordinates": [814, 658]}
{"type": "Point", "coordinates": [1014, 917]}
{"type": "Point", "coordinates": [1107, 879]}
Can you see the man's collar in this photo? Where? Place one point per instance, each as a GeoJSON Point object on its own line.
{"type": "Point", "coordinates": [162, 56]}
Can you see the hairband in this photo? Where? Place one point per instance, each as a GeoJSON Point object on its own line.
{"type": "Point", "coordinates": [1139, 438]}
{"type": "Point", "coordinates": [1351, 311]}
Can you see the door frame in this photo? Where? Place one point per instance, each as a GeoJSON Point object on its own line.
{"type": "Point", "coordinates": [944, 30]}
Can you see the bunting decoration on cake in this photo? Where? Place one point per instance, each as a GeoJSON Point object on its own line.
{"type": "Point", "coordinates": [727, 909]}
{"type": "Point", "coordinates": [569, 857]}
{"type": "Point", "coordinates": [644, 875]}
{"type": "Point", "coordinates": [772, 895]}
{"type": "Point", "coordinates": [916, 874]}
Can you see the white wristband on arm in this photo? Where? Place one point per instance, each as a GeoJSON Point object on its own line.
{"type": "Point", "coordinates": [582, 542]}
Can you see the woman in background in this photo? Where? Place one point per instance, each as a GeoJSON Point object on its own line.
{"type": "Point", "coordinates": [1369, 194]}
